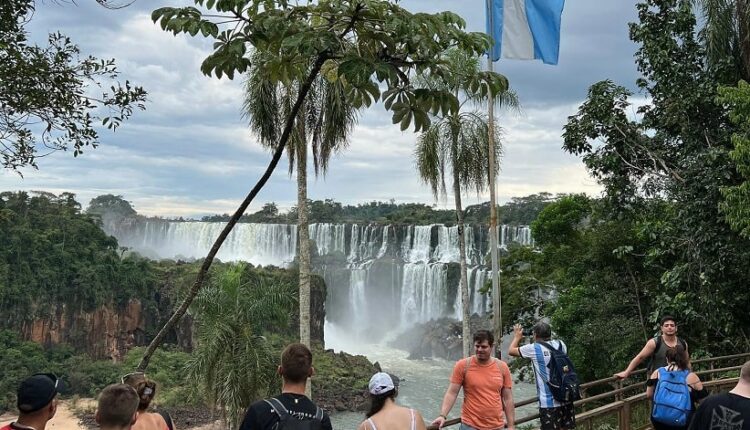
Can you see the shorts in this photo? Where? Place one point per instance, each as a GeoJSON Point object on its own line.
{"type": "Point", "coordinates": [562, 417]}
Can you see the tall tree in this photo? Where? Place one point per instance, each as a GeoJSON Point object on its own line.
{"type": "Point", "coordinates": [458, 142]}
{"type": "Point", "coordinates": [49, 97]}
{"type": "Point", "coordinates": [664, 171]}
{"type": "Point", "coordinates": [365, 43]}
{"type": "Point", "coordinates": [324, 122]}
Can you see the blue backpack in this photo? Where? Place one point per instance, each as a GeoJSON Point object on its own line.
{"type": "Point", "coordinates": [672, 403]}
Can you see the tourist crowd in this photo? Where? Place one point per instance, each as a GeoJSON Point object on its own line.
{"type": "Point", "coordinates": [678, 396]}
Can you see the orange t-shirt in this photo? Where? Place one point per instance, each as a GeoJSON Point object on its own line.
{"type": "Point", "coordinates": [483, 404]}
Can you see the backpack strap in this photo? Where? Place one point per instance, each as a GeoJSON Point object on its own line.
{"type": "Point", "coordinates": [550, 347]}
{"type": "Point", "coordinates": [167, 419]}
{"type": "Point", "coordinates": [467, 363]}
{"type": "Point", "coordinates": [278, 407]}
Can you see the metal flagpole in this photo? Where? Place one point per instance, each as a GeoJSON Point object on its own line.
{"type": "Point", "coordinates": [497, 320]}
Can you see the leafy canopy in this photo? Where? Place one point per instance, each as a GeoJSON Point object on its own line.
{"type": "Point", "coordinates": [368, 45]}
{"type": "Point", "coordinates": [50, 98]}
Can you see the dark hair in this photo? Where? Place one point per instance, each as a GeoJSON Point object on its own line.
{"type": "Point", "coordinates": [666, 318]}
{"type": "Point", "coordinates": [145, 388]}
{"type": "Point", "coordinates": [678, 356]}
{"type": "Point", "coordinates": [296, 362]}
{"type": "Point", "coordinates": [542, 330]}
{"type": "Point", "coordinates": [482, 335]}
{"type": "Point", "coordinates": [378, 401]}
{"type": "Point", "coordinates": [117, 405]}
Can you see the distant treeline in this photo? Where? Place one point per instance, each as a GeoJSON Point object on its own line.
{"type": "Point", "coordinates": [519, 211]}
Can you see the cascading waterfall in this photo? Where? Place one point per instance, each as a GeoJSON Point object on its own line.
{"type": "Point", "coordinates": [408, 273]}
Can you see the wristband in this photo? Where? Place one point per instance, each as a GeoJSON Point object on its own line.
{"type": "Point", "coordinates": [444, 417]}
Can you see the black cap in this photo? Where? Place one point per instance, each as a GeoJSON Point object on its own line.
{"type": "Point", "coordinates": [36, 391]}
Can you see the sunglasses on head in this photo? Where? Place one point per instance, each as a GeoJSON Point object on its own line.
{"type": "Point", "coordinates": [132, 374]}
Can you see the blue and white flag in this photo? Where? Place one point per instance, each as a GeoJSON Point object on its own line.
{"type": "Point", "coordinates": [525, 29]}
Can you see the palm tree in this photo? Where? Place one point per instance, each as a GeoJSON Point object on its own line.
{"type": "Point", "coordinates": [325, 121]}
{"type": "Point", "coordinates": [459, 143]}
{"type": "Point", "coordinates": [233, 362]}
{"type": "Point", "coordinates": [726, 33]}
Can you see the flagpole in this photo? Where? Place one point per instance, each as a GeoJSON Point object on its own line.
{"type": "Point", "coordinates": [497, 320]}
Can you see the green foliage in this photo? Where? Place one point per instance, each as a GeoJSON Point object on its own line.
{"type": "Point", "coordinates": [109, 205]}
{"type": "Point", "coordinates": [51, 253]}
{"type": "Point", "coordinates": [233, 361]}
{"type": "Point", "coordinates": [736, 204]}
{"type": "Point", "coordinates": [50, 96]}
{"type": "Point", "coordinates": [657, 242]}
{"type": "Point", "coordinates": [519, 211]}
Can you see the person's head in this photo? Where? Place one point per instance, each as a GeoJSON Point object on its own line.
{"type": "Point", "coordinates": [542, 331]}
{"type": "Point", "coordinates": [668, 325]}
{"type": "Point", "coordinates": [36, 397]}
{"type": "Point", "coordinates": [382, 386]}
{"type": "Point", "coordinates": [296, 364]}
{"type": "Point", "coordinates": [483, 341]}
{"type": "Point", "coordinates": [145, 388]}
{"type": "Point", "coordinates": [678, 356]}
{"type": "Point", "coordinates": [745, 373]}
{"type": "Point", "coordinates": [117, 407]}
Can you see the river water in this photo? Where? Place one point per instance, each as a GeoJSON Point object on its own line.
{"type": "Point", "coordinates": [423, 382]}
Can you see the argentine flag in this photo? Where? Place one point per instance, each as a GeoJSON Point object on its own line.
{"type": "Point", "coordinates": [525, 29]}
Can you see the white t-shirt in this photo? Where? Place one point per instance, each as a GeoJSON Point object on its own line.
{"type": "Point", "coordinates": [540, 357]}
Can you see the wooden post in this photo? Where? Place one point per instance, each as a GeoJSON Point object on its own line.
{"type": "Point", "coordinates": [625, 416]}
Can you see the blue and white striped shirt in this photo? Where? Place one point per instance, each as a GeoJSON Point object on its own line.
{"type": "Point", "coordinates": [540, 357]}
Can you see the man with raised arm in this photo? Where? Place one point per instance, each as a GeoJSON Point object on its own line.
{"type": "Point", "coordinates": [726, 411]}
{"type": "Point", "coordinates": [655, 349]}
{"type": "Point", "coordinates": [487, 384]}
{"type": "Point", "coordinates": [553, 414]}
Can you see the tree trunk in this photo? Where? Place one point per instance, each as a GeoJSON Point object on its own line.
{"type": "Point", "coordinates": [304, 89]}
{"type": "Point", "coordinates": [743, 21]}
{"type": "Point", "coordinates": [464, 285]}
{"type": "Point", "coordinates": [303, 250]}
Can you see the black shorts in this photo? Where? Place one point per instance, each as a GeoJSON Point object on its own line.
{"type": "Point", "coordinates": [562, 417]}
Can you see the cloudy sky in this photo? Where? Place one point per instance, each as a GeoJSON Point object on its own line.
{"type": "Point", "coordinates": [190, 153]}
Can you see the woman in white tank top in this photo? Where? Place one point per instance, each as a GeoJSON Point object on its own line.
{"type": "Point", "coordinates": [384, 413]}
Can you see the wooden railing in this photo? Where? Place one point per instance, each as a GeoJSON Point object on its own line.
{"type": "Point", "coordinates": [622, 404]}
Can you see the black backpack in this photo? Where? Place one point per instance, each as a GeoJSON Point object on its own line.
{"type": "Point", "coordinates": [288, 421]}
{"type": "Point", "coordinates": [563, 380]}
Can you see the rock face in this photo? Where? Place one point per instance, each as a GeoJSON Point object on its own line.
{"type": "Point", "coordinates": [439, 338]}
{"type": "Point", "coordinates": [342, 381]}
{"type": "Point", "coordinates": [109, 331]}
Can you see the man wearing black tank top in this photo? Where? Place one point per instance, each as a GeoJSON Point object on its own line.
{"type": "Point", "coordinates": [656, 348]}
{"type": "Point", "coordinates": [295, 368]}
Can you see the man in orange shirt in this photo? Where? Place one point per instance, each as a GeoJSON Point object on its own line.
{"type": "Point", "coordinates": [488, 399]}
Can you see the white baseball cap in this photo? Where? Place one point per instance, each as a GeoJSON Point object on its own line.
{"type": "Point", "coordinates": [382, 382]}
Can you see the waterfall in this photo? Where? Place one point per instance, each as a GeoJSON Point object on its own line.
{"type": "Point", "coordinates": [407, 272]}
{"type": "Point", "coordinates": [423, 292]}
